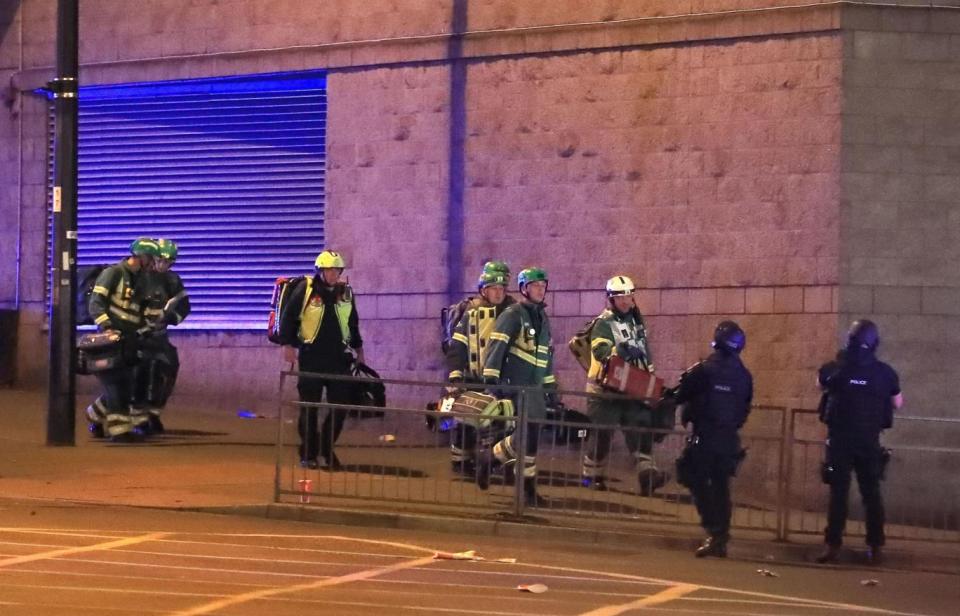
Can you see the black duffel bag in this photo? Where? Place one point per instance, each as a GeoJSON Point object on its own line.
{"type": "Point", "coordinates": [101, 352]}
{"type": "Point", "coordinates": [371, 393]}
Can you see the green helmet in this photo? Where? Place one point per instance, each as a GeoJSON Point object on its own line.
{"type": "Point", "coordinates": [167, 249]}
{"type": "Point", "coordinates": [531, 274]}
{"type": "Point", "coordinates": [488, 279]}
{"type": "Point", "coordinates": [145, 246]}
{"type": "Point", "coordinates": [495, 267]}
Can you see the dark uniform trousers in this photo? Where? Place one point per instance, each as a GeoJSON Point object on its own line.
{"type": "Point", "coordinates": [156, 375]}
{"type": "Point", "coordinates": [633, 416]}
{"type": "Point", "coordinates": [863, 458]}
{"type": "Point", "coordinates": [711, 491]}
{"type": "Point", "coordinates": [312, 441]}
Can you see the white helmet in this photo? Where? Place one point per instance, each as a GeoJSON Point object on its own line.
{"type": "Point", "coordinates": [619, 285]}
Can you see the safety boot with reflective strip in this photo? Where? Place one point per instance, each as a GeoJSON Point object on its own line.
{"type": "Point", "coordinates": [649, 477]}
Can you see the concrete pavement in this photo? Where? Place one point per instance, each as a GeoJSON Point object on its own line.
{"type": "Point", "coordinates": [212, 460]}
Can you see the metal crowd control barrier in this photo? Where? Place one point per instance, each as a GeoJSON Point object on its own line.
{"type": "Point", "coordinates": [397, 462]}
{"type": "Point", "coordinates": [921, 490]}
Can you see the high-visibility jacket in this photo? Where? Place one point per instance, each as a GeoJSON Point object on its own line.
{"type": "Point", "coordinates": [521, 348]}
{"type": "Point", "coordinates": [167, 300]}
{"type": "Point", "coordinates": [610, 330]}
{"type": "Point", "coordinates": [305, 309]}
{"type": "Point", "coordinates": [312, 309]}
{"type": "Point", "coordinates": [116, 301]}
{"type": "Point", "coordinates": [471, 339]}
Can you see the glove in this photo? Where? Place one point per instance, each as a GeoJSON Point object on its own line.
{"type": "Point", "coordinates": [629, 352]}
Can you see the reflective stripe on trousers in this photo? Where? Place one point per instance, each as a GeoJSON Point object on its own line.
{"type": "Point", "coordinates": [505, 451]}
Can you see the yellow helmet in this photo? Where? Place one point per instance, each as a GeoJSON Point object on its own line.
{"type": "Point", "coordinates": [329, 258]}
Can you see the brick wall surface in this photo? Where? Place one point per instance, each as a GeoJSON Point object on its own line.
{"type": "Point", "coordinates": [707, 157]}
{"type": "Point", "coordinates": [901, 187]}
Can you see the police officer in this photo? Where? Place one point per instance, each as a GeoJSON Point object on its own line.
{"type": "Point", "coordinates": [620, 330]}
{"type": "Point", "coordinates": [468, 346]}
{"type": "Point", "coordinates": [321, 315]}
{"type": "Point", "coordinates": [861, 393]}
{"type": "Point", "coordinates": [167, 303]}
{"type": "Point", "coordinates": [716, 395]}
{"type": "Point", "coordinates": [521, 353]}
{"type": "Point", "coordinates": [116, 303]}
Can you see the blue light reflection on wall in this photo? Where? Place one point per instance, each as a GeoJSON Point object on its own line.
{"type": "Point", "coordinates": [232, 168]}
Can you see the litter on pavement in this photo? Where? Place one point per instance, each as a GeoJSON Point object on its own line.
{"type": "Point", "coordinates": [534, 588]}
{"type": "Point", "coordinates": [467, 555]}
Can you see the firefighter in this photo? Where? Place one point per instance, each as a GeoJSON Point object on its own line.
{"type": "Point", "coordinates": [521, 353]}
{"type": "Point", "coordinates": [716, 395]}
{"type": "Point", "coordinates": [116, 303]}
{"type": "Point", "coordinates": [455, 312]}
{"type": "Point", "coordinates": [167, 304]}
{"type": "Point", "coordinates": [321, 315]}
{"type": "Point", "coordinates": [861, 394]}
{"type": "Point", "coordinates": [468, 345]}
{"type": "Point", "coordinates": [620, 330]}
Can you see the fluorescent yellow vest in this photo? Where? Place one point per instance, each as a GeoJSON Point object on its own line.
{"type": "Point", "coordinates": [311, 315]}
{"type": "Point", "coordinates": [480, 322]}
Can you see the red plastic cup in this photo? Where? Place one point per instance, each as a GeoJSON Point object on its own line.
{"type": "Point", "coordinates": [306, 487]}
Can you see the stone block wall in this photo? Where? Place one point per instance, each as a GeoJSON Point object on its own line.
{"type": "Point", "coordinates": [899, 213]}
{"type": "Point", "coordinates": [706, 172]}
{"type": "Point", "coordinates": [713, 155]}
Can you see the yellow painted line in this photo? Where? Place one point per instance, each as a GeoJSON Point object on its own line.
{"type": "Point", "coordinates": [669, 594]}
{"type": "Point", "coordinates": [213, 606]}
{"type": "Point", "coordinates": [109, 545]}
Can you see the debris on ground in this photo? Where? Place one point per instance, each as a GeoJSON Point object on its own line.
{"type": "Point", "coordinates": [768, 573]}
{"type": "Point", "coordinates": [534, 588]}
{"type": "Point", "coordinates": [507, 561]}
{"type": "Point", "coordinates": [467, 555]}
{"type": "Point", "coordinates": [387, 438]}
{"type": "Point", "coordinates": [870, 582]}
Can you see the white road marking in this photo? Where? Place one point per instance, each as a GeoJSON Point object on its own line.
{"type": "Point", "coordinates": [758, 598]}
{"type": "Point", "coordinates": [663, 596]}
{"type": "Point", "coordinates": [109, 545]}
{"type": "Point", "coordinates": [343, 579]}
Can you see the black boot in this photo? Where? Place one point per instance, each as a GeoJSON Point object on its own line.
{"type": "Point", "coordinates": [310, 463]}
{"type": "Point", "coordinates": [155, 425]}
{"type": "Point", "coordinates": [331, 462]}
{"type": "Point", "coordinates": [95, 430]}
{"type": "Point", "coordinates": [530, 496]}
{"type": "Point", "coordinates": [650, 479]}
{"type": "Point", "coordinates": [830, 554]}
{"type": "Point", "coordinates": [484, 460]}
{"type": "Point", "coordinates": [874, 555]}
{"type": "Point", "coordinates": [712, 546]}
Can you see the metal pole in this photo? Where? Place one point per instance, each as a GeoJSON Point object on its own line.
{"type": "Point", "coordinates": [788, 474]}
{"type": "Point", "coordinates": [520, 450]}
{"type": "Point", "coordinates": [63, 314]}
{"type": "Point", "coordinates": [781, 476]}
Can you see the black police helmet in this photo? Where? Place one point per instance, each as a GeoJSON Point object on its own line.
{"type": "Point", "coordinates": [729, 337]}
{"type": "Point", "coordinates": [863, 334]}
